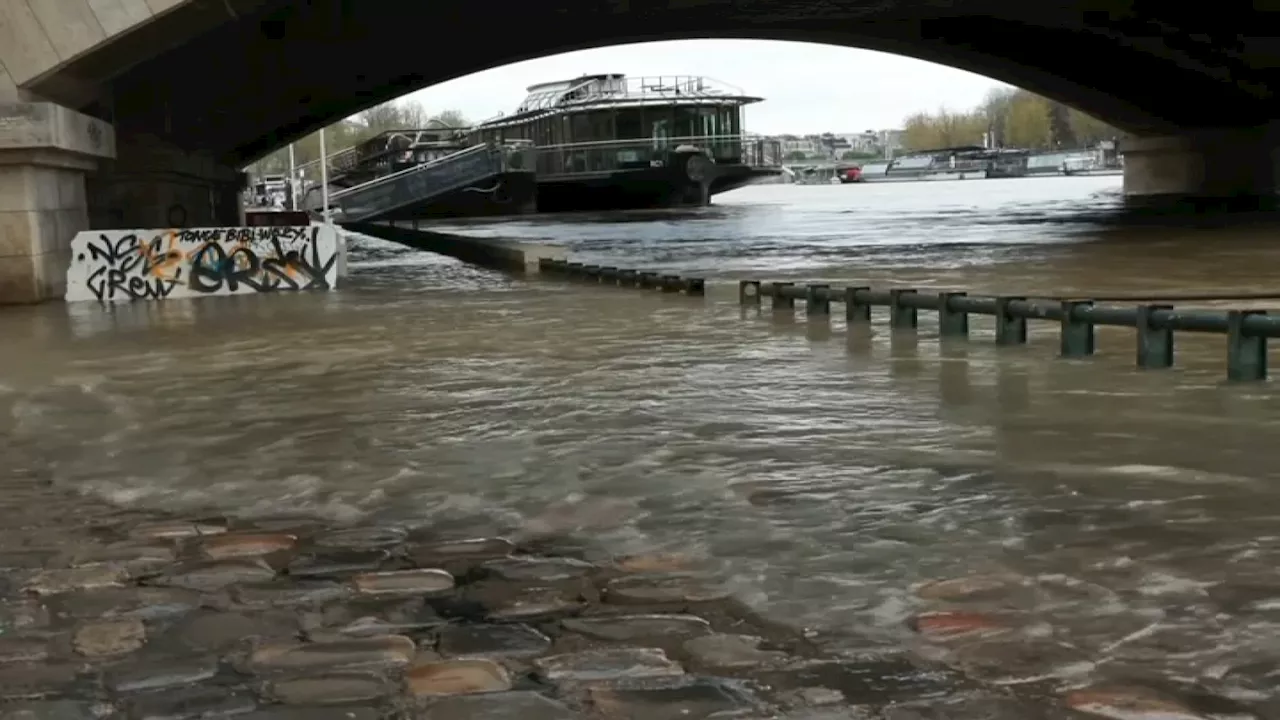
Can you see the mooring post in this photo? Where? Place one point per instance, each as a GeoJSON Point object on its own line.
{"type": "Point", "coordinates": [901, 316]}
{"type": "Point", "coordinates": [816, 301]}
{"type": "Point", "coordinates": [592, 272]}
{"type": "Point", "coordinates": [1246, 354]}
{"type": "Point", "coordinates": [647, 279]}
{"type": "Point", "coordinates": [1155, 344]}
{"type": "Point", "coordinates": [1011, 329]}
{"type": "Point", "coordinates": [546, 264]}
{"type": "Point", "coordinates": [951, 322]}
{"type": "Point", "coordinates": [574, 268]}
{"type": "Point", "coordinates": [695, 286]}
{"type": "Point", "coordinates": [854, 311]}
{"type": "Point", "coordinates": [1077, 334]}
{"type": "Point", "coordinates": [608, 273]}
{"type": "Point", "coordinates": [627, 278]}
{"type": "Point", "coordinates": [671, 283]}
{"type": "Point", "coordinates": [748, 292]}
{"type": "Point", "coordinates": [781, 302]}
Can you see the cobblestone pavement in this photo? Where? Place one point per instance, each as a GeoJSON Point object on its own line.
{"type": "Point", "coordinates": [117, 614]}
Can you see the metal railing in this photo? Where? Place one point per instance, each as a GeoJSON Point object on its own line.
{"type": "Point", "coordinates": [1246, 330]}
{"type": "Point", "coordinates": [648, 87]}
{"type": "Point", "coordinates": [609, 155]}
{"type": "Point", "coordinates": [386, 194]}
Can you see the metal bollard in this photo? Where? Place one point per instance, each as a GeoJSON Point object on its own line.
{"type": "Point", "coordinates": [1077, 335]}
{"type": "Point", "coordinates": [748, 292]}
{"type": "Point", "coordinates": [902, 316]}
{"type": "Point", "coordinates": [855, 312]}
{"type": "Point", "coordinates": [1010, 329]}
{"type": "Point", "coordinates": [951, 322]}
{"type": "Point", "coordinates": [1246, 354]}
{"type": "Point", "coordinates": [1155, 344]}
{"type": "Point", "coordinates": [816, 301]}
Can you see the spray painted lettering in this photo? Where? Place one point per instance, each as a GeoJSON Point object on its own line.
{"type": "Point", "coordinates": [122, 265]}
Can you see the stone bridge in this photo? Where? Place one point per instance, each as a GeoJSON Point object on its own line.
{"type": "Point", "coordinates": [137, 113]}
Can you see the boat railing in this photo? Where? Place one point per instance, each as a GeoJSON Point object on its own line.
{"type": "Point", "coordinates": [610, 155]}
{"type": "Point", "coordinates": [644, 87]}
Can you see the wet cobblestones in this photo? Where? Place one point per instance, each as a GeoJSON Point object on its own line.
{"type": "Point", "coordinates": [186, 618]}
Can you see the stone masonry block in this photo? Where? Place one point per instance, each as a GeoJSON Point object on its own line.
{"type": "Point", "coordinates": [18, 284]}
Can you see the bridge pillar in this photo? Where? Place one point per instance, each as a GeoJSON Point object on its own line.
{"type": "Point", "coordinates": [45, 152]}
{"type": "Point", "coordinates": [1207, 170]}
{"type": "Point", "coordinates": [153, 184]}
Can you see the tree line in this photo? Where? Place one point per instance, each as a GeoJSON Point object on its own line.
{"type": "Point", "coordinates": [1015, 118]}
{"type": "Point", "coordinates": [394, 115]}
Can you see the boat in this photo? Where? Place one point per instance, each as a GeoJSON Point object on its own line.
{"type": "Point", "coordinates": [974, 162]}
{"type": "Point", "coordinates": [612, 142]}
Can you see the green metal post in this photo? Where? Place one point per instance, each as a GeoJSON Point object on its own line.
{"type": "Point", "coordinates": [816, 301]}
{"type": "Point", "coordinates": [952, 323]}
{"type": "Point", "coordinates": [1010, 329]}
{"type": "Point", "coordinates": [1077, 335]}
{"type": "Point", "coordinates": [748, 292]}
{"type": "Point", "coordinates": [901, 316]}
{"type": "Point", "coordinates": [1155, 344]}
{"type": "Point", "coordinates": [1246, 354]}
{"type": "Point", "coordinates": [780, 302]}
{"type": "Point", "coordinates": [855, 312]}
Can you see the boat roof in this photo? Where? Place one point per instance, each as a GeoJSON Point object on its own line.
{"type": "Point", "coordinates": [615, 90]}
{"type": "Point", "coordinates": [956, 149]}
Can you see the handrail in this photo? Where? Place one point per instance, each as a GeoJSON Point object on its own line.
{"type": "Point", "coordinates": [475, 149]}
{"type": "Point", "coordinates": [651, 140]}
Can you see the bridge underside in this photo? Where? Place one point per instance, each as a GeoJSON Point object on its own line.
{"type": "Point", "coordinates": [250, 85]}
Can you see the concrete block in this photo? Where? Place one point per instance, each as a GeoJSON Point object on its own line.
{"type": "Point", "coordinates": [46, 126]}
{"type": "Point", "coordinates": [117, 16]}
{"type": "Point", "coordinates": [19, 232]}
{"type": "Point", "coordinates": [18, 284]}
{"type": "Point", "coordinates": [50, 270]}
{"type": "Point", "coordinates": [70, 25]}
{"type": "Point", "coordinates": [25, 49]}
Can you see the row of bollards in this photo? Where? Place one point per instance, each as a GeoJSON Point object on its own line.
{"type": "Point", "coordinates": [1246, 330]}
{"type": "Point", "coordinates": [623, 277]}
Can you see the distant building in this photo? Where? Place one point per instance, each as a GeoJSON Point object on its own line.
{"type": "Point", "coordinates": [834, 146]}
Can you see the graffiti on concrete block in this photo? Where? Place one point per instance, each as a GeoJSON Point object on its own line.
{"type": "Point", "coordinates": [122, 265]}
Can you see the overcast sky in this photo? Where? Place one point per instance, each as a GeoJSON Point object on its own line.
{"type": "Point", "coordinates": [807, 88]}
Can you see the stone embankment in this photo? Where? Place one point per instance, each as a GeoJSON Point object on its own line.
{"type": "Point", "coordinates": [286, 619]}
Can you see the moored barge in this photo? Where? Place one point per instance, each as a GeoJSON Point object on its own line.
{"type": "Point", "coordinates": [610, 142]}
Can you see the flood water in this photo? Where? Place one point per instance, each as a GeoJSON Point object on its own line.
{"type": "Point", "coordinates": [825, 473]}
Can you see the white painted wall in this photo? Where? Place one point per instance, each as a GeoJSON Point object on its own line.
{"type": "Point", "coordinates": [125, 265]}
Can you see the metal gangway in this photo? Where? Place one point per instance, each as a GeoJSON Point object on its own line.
{"type": "Point", "coordinates": [378, 198]}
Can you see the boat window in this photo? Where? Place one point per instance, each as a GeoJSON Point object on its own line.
{"type": "Point", "coordinates": [688, 123]}
{"type": "Point", "coordinates": [913, 162]}
{"type": "Point", "coordinates": [876, 168]}
{"type": "Point", "coordinates": [660, 134]}
{"type": "Point", "coordinates": [630, 124]}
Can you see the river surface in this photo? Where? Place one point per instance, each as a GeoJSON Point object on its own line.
{"type": "Point", "coordinates": [825, 473]}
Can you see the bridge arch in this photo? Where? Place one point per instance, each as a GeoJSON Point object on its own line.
{"type": "Point", "coordinates": [268, 77]}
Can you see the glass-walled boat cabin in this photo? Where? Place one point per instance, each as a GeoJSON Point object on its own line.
{"type": "Point", "coordinates": [604, 123]}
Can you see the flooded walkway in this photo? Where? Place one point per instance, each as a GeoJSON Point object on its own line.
{"type": "Point", "coordinates": [200, 499]}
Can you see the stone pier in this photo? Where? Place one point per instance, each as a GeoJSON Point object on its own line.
{"type": "Point", "coordinates": [1207, 170]}
{"type": "Point", "coordinates": [45, 152]}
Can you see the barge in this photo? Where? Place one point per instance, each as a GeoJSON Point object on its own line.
{"type": "Point", "coordinates": [611, 142]}
{"type": "Point", "coordinates": [974, 162]}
